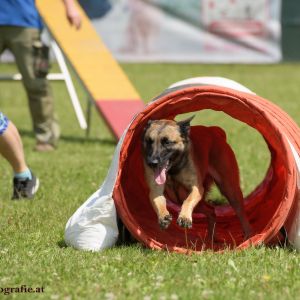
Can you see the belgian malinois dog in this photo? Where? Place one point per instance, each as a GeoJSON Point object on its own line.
{"type": "Point", "coordinates": [169, 160]}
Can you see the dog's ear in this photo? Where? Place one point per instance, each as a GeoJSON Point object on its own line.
{"type": "Point", "coordinates": [146, 127]}
{"type": "Point", "coordinates": [185, 125]}
{"type": "Point", "coordinates": [149, 123]}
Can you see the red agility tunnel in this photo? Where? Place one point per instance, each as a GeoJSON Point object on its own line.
{"type": "Point", "coordinates": [268, 206]}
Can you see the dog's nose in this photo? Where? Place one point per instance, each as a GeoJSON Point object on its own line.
{"type": "Point", "coordinates": [152, 162]}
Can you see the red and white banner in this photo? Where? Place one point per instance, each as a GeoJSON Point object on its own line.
{"type": "Point", "coordinates": [207, 31]}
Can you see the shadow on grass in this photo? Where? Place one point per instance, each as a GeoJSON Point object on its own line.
{"type": "Point", "coordinates": [125, 245]}
{"type": "Point", "coordinates": [130, 245]}
{"type": "Point", "coordinates": [62, 244]}
{"type": "Point", "coordinates": [74, 139]}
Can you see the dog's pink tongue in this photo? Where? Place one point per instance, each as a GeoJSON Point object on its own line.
{"type": "Point", "coordinates": [160, 176]}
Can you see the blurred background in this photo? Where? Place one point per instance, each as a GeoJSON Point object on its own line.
{"type": "Point", "coordinates": [205, 31]}
{"type": "Point", "coordinates": [237, 31]}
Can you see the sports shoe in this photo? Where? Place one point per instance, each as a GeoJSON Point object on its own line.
{"type": "Point", "coordinates": [25, 188]}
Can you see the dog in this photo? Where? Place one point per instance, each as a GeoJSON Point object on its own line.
{"type": "Point", "coordinates": [169, 162]}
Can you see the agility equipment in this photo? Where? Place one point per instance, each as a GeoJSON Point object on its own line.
{"type": "Point", "coordinates": [273, 204]}
{"type": "Point", "coordinates": [114, 96]}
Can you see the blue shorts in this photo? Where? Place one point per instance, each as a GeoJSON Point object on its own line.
{"type": "Point", "coordinates": [3, 123]}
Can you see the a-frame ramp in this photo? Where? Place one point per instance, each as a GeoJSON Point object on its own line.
{"type": "Point", "coordinates": [115, 97]}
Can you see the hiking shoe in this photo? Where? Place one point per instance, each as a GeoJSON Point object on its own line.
{"type": "Point", "coordinates": [25, 188]}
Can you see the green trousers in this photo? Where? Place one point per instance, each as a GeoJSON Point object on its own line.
{"type": "Point", "coordinates": [20, 41]}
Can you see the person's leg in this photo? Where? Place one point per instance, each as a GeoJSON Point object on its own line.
{"type": "Point", "coordinates": [41, 103]}
{"type": "Point", "coordinates": [11, 146]}
{"type": "Point", "coordinates": [25, 184]}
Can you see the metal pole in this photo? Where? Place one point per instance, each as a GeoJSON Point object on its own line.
{"type": "Point", "coordinates": [74, 99]}
{"type": "Point", "coordinates": [18, 76]}
{"type": "Point", "coordinates": [89, 115]}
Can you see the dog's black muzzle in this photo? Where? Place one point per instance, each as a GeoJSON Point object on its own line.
{"type": "Point", "coordinates": [153, 163]}
{"type": "Point", "coordinates": [156, 161]}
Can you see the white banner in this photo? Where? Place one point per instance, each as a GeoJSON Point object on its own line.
{"type": "Point", "coordinates": [207, 31]}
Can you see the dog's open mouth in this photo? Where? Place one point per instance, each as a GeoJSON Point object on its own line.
{"type": "Point", "coordinates": [160, 174]}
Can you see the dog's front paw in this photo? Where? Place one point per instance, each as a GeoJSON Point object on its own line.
{"type": "Point", "coordinates": [184, 222]}
{"type": "Point", "coordinates": [165, 221]}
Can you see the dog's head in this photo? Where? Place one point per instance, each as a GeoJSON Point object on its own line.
{"type": "Point", "coordinates": [164, 143]}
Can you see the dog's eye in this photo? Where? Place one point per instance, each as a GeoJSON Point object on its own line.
{"type": "Point", "coordinates": [149, 141]}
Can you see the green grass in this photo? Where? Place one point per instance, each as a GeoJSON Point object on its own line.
{"type": "Point", "coordinates": [32, 251]}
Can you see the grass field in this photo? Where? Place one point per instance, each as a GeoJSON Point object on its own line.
{"type": "Point", "coordinates": [32, 251]}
